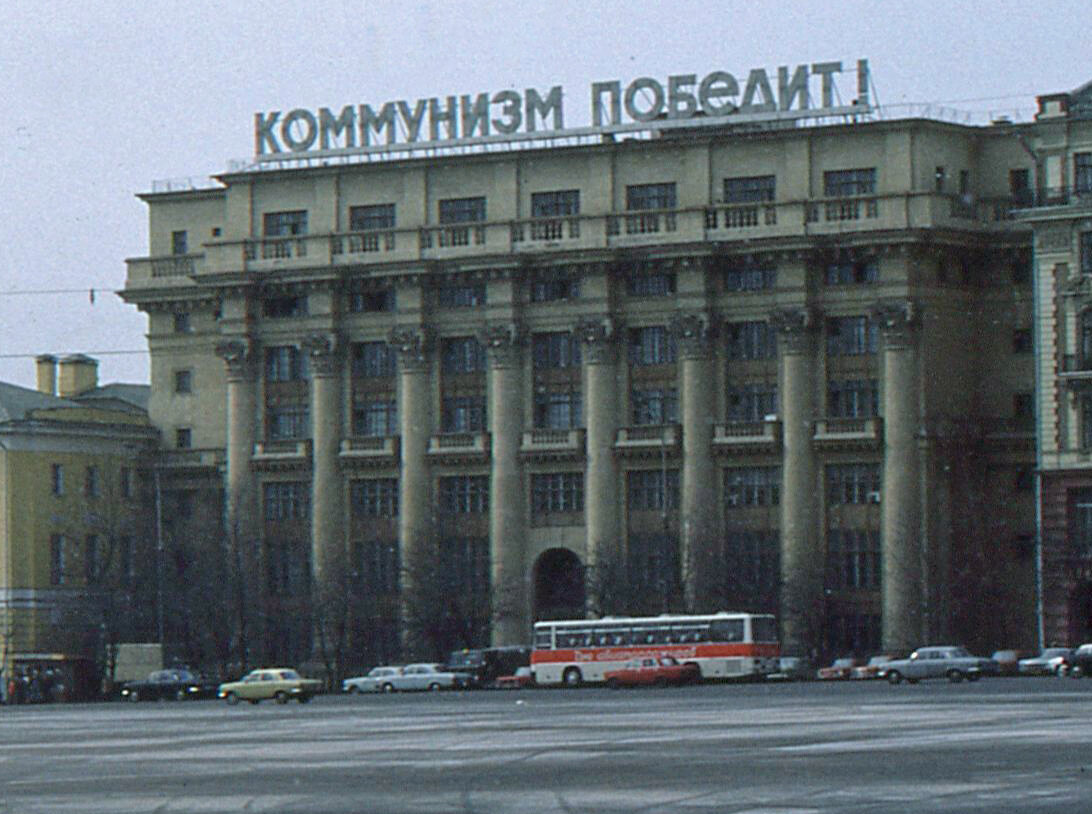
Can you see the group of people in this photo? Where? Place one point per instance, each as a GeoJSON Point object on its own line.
{"type": "Point", "coordinates": [33, 685]}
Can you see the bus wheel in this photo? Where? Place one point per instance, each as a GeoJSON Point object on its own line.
{"type": "Point", "coordinates": [572, 677]}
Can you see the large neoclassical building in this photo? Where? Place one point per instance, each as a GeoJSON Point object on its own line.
{"type": "Point", "coordinates": [784, 368]}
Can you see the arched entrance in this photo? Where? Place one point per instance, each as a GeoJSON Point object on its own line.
{"type": "Point", "coordinates": [559, 585]}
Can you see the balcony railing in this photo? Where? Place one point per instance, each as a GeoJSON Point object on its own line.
{"type": "Point", "coordinates": [655, 439]}
{"type": "Point", "coordinates": [371, 450]}
{"type": "Point", "coordinates": [211, 458]}
{"type": "Point", "coordinates": [742, 436]}
{"type": "Point", "coordinates": [552, 443]}
{"type": "Point", "coordinates": [848, 431]}
{"type": "Point", "coordinates": [458, 445]}
{"type": "Point", "coordinates": [1079, 194]}
{"type": "Point", "coordinates": [289, 451]}
{"type": "Point", "coordinates": [275, 248]}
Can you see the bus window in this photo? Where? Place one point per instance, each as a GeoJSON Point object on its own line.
{"type": "Point", "coordinates": [606, 636]}
{"type": "Point", "coordinates": [543, 639]}
{"type": "Point", "coordinates": [726, 630]}
{"type": "Point", "coordinates": [763, 629]}
{"type": "Point", "coordinates": [642, 634]}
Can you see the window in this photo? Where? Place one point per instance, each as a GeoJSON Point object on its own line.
{"type": "Point", "coordinates": [460, 296]}
{"type": "Point", "coordinates": [1086, 421]}
{"type": "Point", "coordinates": [372, 216]}
{"type": "Point", "coordinates": [650, 284]}
{"type": "Point", "coordinates": [557, 409]}
{"type": "Point", "coordinates": [1021, 269]}
{"type": "Point", "coordinates": [853, 398]}
{"type": "Point", "coordinates": [654, 571]}
{"type": "Point", "coordinates": [372, 302]}
{"type": "Point", "coordinates": [750, 340]}
{"type": "Point", "coordinates": [752, 401]}
{"type": "Point", "coordinates": [1082, 524]}
{"type": "Point", "coordinates": [284, 307]}
{"type": "Point", "coordinates": [125, 479]}
{"type": "Point", "coordinates": [56, 559]}
{"type": "Point", "coordinates": [284, 224]}
{"type": "Point", "coordinates": [847, 271]}
{"type": "Point", "coordinates": [91, 558]}
{"type": "Point", "coordinates": [379, 565]}
{"type": "Point", "coordinates": [375, 498]}
{"type": "Point", "coordinates": [464, 494]}
{"type": "Point", "coordinates": [56, 476]}
{"type": "Point", "coordinates": [375, 417]}
{"type": "Point", "coordinates": [462, 414]}
{"type": "Point", "coordinates": [1023, 410]}
{"type": "Point", "coordinates": [938, 179]}
{"type": "Point", "coordinates": [752, 486]}
{"type": "Point", "coordinates": [853, 484]}
{"type": "Point", "coordinates": [853, 559]}
{"type": "Point", "coordinates": [287, 422]}
{"type": "Point", "coordinates": [126, 560]}
{"type": "Point", "coordinates": [1086, 252]}
{"type": "Point", "coordinates": [854, 633]}
{"type": "Point", "coordinates": [462, 210]}
{"type": "Point", "coordinates": [1085, 340]}
{"type": "Point", "coordinates": [554, 289]}
{"type": "Point", "coordinates": [650, 196]}
{"type": "Point", "coordinates": [557, 492]}
{"type": "Point", "coordinates": [851, 336]}
{"type": "Point", "coordinates": [285, 363]}
{"type": "Point", "coordinates": [182, 322]}
{"type": "Point", "coordinates": [652, 489]}
{"type": "Point", "coordinates": [1020, 187]}
{"type": "Point", "coordinates": [654, 345]}
{"type": "Point", "coordinates": [964, 183]}
{"type": "Point", "coordinates": [216, 231]}
{"type": "Point", "coordinates": [178, 242]}
{"type": "Point", "coordinates": [91, 482]}
{"type": "Point", "coordinates": [462, 355]}
{"type": "Point", "coordinates": [556, 350]}
{"type": "Point", "coordinates": [183, 381]}
{"type": "Point", "coordinates": [1021, 340]}
{"type": "Point", "coordinates": [288, 564]}
{"type": "Point", "coordinates": [753, 558]}
{"type": "Point", "coordinates": [749, 277]}
{"type": "Point", "coordinates": [555, 204]}
{"type": "Point", "coordinates": [465, 565]}
{"type": "Point", "coordinates": [373, 360]}
{"type": "Point", "coordinates": [183, 438]}
{"type": "Point", "coordinates": [750, 189]}
{"type": "Point", "coordinates": [654, 405]}
{"type": "Point", "coordinates": [847, 183]}
{"type": "Point", "coordinates": [287, 501]}
{"type": "Point", "coordinates": [1082, 173]}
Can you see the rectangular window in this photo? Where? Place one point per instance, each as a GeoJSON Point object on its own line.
{"type": "Point", "coordinates": [183, 438]}
{"type": "Point", "coordinates": [849, 271]}
{"type": "Point", "coordinates": [752, 401]}
{"type": "Point", "coordinates": [650, 196]}
{"type": "Point", "coordinates": [654, 573]}
{"type": "Point", "coordinates": [654, 345]}
{"type": "Point", "coordinates": [375, 497]}
{"type": "Point", "coordinates": [557, 409]}
{"type": "Point", "coordinates": [126, 560]}
{"type": "Point", "coordinates": [56, 474]}
{"type": "Point", "coordinates": [288, 422]}
{"type": "Point", "coordinates": [183, 381]}
{"type": "Point", "coordinates": [462, 210]}
{"type": "Point", "coordinates": [1020, 187]}
{"type": "Point", "coordinates": [125, 478]}
{"type": "Point", "coordinates": [462, 354]}
{"type": "Point", "coordinates": [558, 204]}
{"type": "Point", "coordinates": [847, 183]}
{"type": "Point", "coordinates": [375, 417]}
{"type": "Point", "coordinates": [1023, 410]}
{"type": "Point", "coordinates": [56, 559]}
{"type": "Point", "coordinates": [1082, 524]}
{"type": "Point", "coordinates": [853, 398]}
{"type": "Point", "coordinates": [460, 296]}
{"type": "Point", "coordinates": [288, 565]}
{"type": "Point", "coordinates": [285, 363]}
{"type": "Point", "coordinates": [555, 289]}
{"type": "Point", "coordinates": [1021, 340]}
{"type": "Point", "coordinates": [652, 489]}
{"type": "Point", "coordinates": [753, 558]}
{"type": "Point", "coordinates": [91, 482]}
{"type": "Point", "coordinates": [749, 277]}
{"type": "Point", "coordinates": [1082, 173]}
{"type": "Point", "coordinates": [752, 486]}
{"type": "Point", "coordinates": [284, 307]}
{"type": "Point", "coordinates": [1086, 422]}
{"type": "Point", "coordinates": [379, 565]}
{"type": "Point", "coordinates": [750, 189]}
{"type": "Point", "coordinates": [182, 323]}
{"type": "Point", "coordinates": [373, 360]}
{"type": "Point", "coordinates": [1086, 252]}
{"type": "Point", "coordinates": [465, 566]}
{"type": "Point", "coordinates": [750, 340]}
{"type": "Point", "coordinates": [91, 559]}
{"type": "Point", "coordinates": [462, 414]}
{"type": "Point", "coordinates": [851, 336]}
{"type": "Point", "coordinates": [287, 501]}
{"type": "Point", "coordinates": [372, 302]}
{"type": "Point", "coordinates": [557, 492]}
{"type": "Point", "coordinates": [938, 179]}
{"type": "Point", "coordinates": [284, 224]}
{"type": "Point", "coordinates": [654, 405]}
{"type": "Point", "coordinates": [853, 559]}
{"type": "Point", "coordinates": [555, 350]}
{"type": "Point", "coordinates": [853, 484]}
{"type": "Point", "coordinates": [464, 494]}
{"type": "Point", "coordinates": [370, 217]}
{"type": "Point", "coordinates": [650, 284]}
{"type": "Point", "coordinates": [179, 242]}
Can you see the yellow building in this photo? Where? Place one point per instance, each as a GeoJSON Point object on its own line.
{"type": "Point", "coordinates": [73, 520]}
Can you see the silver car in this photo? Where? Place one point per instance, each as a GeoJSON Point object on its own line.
{"type": "Point", "coordinates": [938, 661]}
{"type": "Point", "coordinates": [1051, 661]}
{"type": "Point", "coordinates": [377, 680]}
{"type": "Point", "coordinates": [423, 677]}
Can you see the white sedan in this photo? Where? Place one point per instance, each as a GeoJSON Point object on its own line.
{"type": "Point", "coordinates": [423, 677]}
{"type": "Point", "coordinates": [376, 680]}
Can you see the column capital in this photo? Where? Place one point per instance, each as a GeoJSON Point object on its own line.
{"type": "Point", "coordinates": [694, 333]}
{"type": "Point", "coordinates": [898, 320]}
{"type": "Point", "coordinates": [795, 327]}
{"type": "Point", "coordinates": [413, 344]}
{"type": "Point", "coordinates": [239, 357]}
{"type": "Point", "coordinates": [504, 342]}
{"type": "Point", "coordinates": [324, 352]}
{"type": "Point", "coordinates": [599, 335]}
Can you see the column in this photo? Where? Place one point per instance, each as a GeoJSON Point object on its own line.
{"type": "Point", "coordinates": [327, 519]}
{"type": "Point", "coordinates": [802, 605]}
{"type": "Point", "coordinates": [600, 353]}
{"type": "Point", "coordinates": [901, 543]}
{"type": "Point", "coordinates": [701, 538]}
{"type": "Point", "coordinates": [413, 345]}
{"type": "Point", "coordinates": [507, 499]}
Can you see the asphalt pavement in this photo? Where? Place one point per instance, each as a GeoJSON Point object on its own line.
{"type": "Point", "coordinates": [997, 745]}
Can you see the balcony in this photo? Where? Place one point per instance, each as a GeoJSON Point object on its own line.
{"type": "Point", "coordinates": [856, 433]}
{"type": "Point", "coordinates": [211, 459]}
{"type": "Point", "coordinates": [553, 445]}
{"type": "Point", "coordinates": [171, 270]}
{"type": "Point", "coordinates": [1079, 194]}
{"type": "Point", "coordinates": [290, 454]}
{"type": "Point", "coordinates": [648, 441]}
{"type": "Point", "coordinates": [457, 447]}
{"type": "Point", "coordinates": [747, 437]}
{"type": "Point", "coordinates": [381, 450]}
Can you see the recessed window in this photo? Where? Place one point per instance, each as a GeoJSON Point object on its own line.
{"type": "Point", "coordinates": [56, 559]}
{"type": "Point", "coordinates": [750, 189]}
{"type": "Point", "coordinates": [651, 196]}
{"type": "Point", "coordinates": [462, 210]}
{"type": "Point", "coordinates": [845, 270]}
{"type": "Point", "coordinates": [372, 302]}
{"type": "Point", "coordinates": [287, 501]}
{"type": "Point", "coordinates": [182, 323]}
{"type": "Point", "coordinates": [375, 497]}
{"type": "Point", "coordinates": [751, 402]}
{"type": "Point", "coordinates": [555, 204]}
{"type": "Point", "coordinates": [644, 283]}
{"type": "Point", "coordinates": [464, 494]}
{"type": "Point", "coordinates": [1020, 187]}
{"type": "Point", "coordinates": [373, 360]}
{"type": "Point", "coordinates": [179, 243]}
{"type": "Point", "coordinates": [557, 408]}
{"type": "Point", "coordinates": [371, 217]}
{"type": "Point", "coordinates": [57, 479]}
{"type": "Point", "coordinates": [183, 381]}
{"type": "Point", "coordinates": [750, 340]}
{"type": "Point", "coordinates": [1021, 340]}
{"type": "Point", "coordinates": [463, 354]}
{"type": "Point", "coordinates": [557, 492]}
{"type": "Point", "coordinates": [555, 289]}
{"type": "Point", "coordinates": [938, 179]}
{"type": "Point", "coordinates": [1023, 409]}
{"type": "Point", "coordinates": [854, 483]}
{"type": "Point", "coordinates": [285, 224]}
{"type": "Point", "coordinates": [288, 422]}
{"type": "Point", "coordinates": [375, 417]}
{"type": "Point", "coordinates": [555, 350]}
{"type": "Point", "coordinates": [853, 398]}
{"type": "Point", "coordinates": [847, 183]}
{"type": "Point", "coordinates": [285, 363]}
{"type": "Point", "coordinates": [851, 336]}
{"type": "Point", "coordinates": [752, 486]}
{"type": "Point", "coordinates": [1082, 173]}
{"type": "Point", "coordinates": [654, 405]}
{"type": "Point", "coordinates": [460, 296]}
{"type": "Point", "coordinates": [91, 482]}
{"type": "Point", "coordinates": [749, 277]}
{"type": "Point", "coordinates": [284, 307]}
{"type": "Point", "coordinates": [1086, 252]}
{"type": "Point", "coordinates": [183, 438]}
{"type": "Point", "coordinates": [125, 478]}
{"type": "Point", "coordinates": [216, 231]}
{"type": "Point", "coordinates": [462, 414]}
{"type": "Point", "coordinates": [654, 345]}
{"type": "Point", "coordinates": [652, 489]}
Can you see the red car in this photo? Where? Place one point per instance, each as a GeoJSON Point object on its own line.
{"type": "Point", "coordinates": [840, 670]}
{"type": "Point", "coordinates": [651, 671]}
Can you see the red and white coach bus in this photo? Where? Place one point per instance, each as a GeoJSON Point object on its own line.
{"type": "Point", "coordinates": [723, 645]}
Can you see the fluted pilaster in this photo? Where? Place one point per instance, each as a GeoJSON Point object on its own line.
{"type": "Point", "coordinates": [327, 539]}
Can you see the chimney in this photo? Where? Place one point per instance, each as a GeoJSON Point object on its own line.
{"type": "Point", "coordinates": [46, 367]}
{"type": "Point", "coordinates": [79, 374]}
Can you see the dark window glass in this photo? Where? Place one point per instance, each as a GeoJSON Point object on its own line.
{"type": "Point", "coordinates": [375, 417]}
{"type": "Point", "coordinates": [373, 360]}
{"type": "Point", "coordinates": [1021, 340]}
{"type": "Point", "coordinates": [464, 494]}
{"type": "Point", "coordinates": [555, 204]}
{"type": "Point", "coordinates": [853, 484]}
{"type": "Point", "coordinates": [752, 486]}
{"type": "Point", "coordinates": [287, 422]}
{"type": "Point", "coordinates": [557, 409]}
{"type": "Point", "coordinates": [376, 497]}
{"type": "Point", "coordinates": [56, 559]}
{"type": "Point", "coordinates": [554, 289]}
{"type": "Point", "coordinates": [846, 183]}
{"type": "Point", "coordinates": [462, 355]}
{"type": "Point", "coordinates": [654, 405]}
{"type": "Point", "coordinates": [179, 243]}
{"type": "Point", "coordinates": [853, 398]}
{"type": "Point", "coordinates": [183, 438]}
{"type": "Point", "coordinates": [650, 196]}
{"type": "Point", "coordinates": [559, 349]}
{"type": "Point", "coordinates": [749, 277]}
{"type": "Point", "coordinates": [1086, 252]}
{"type": "Point", "coordinates": [57, 474]}
{"type": "Point", "coordinates": [284, 224]}
{"type": "Point", "coordinates": [752, 401]}
{"type": "Point", "coordinates": [462, 414]}
{"type": "Point", "coordinates": [1020, 187]}
{"type": "Point", "coordinates": [853, 559]}
{"type": "Point", "coordinates": [654, 284]}
{"type": "Point", "coordinates": [750, 340]}
{"type": "Point", "coordinates": [372, 302]}
{"type": "Point", "coordinates": [287, 501]}
{"type": "Point", "coordinates": [372, 216]}
{"type": "Point", "coordinates": [183, 381]}
{"type": "Point", "coordinates": [557, 492]}
{"type": "Point", "coordinates": [1082, 172]}
{"type": "Point", "coordinates": [182, 323]}
{"type": "Point", "coordinates": [378, 565]}
{"type": "Point", "coordinates": [460, 296]}
{"type": "Point", "coordinates": [751, 189]}
{"type": "Point", "coordinates": [653, 489]}
{"type": "Point", "coordinates": [848, 271]}
{"type": "Point", "coordinates": [851, 336]}
{"type": "Point", "coordinates": [462, 210]}
{"type": "Point", "coordinates": [285, 363]}
{"type": "Point", "coordinates": [654, 345]}
{"type": "Point", "coordinates": [282, 307]}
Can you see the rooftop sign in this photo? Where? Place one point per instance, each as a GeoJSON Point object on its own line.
{"type": "Point", "coordinates": [645, 104]}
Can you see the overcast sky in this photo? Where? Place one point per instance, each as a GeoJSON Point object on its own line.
{"type": "Point", "coordinates": [103, 98]}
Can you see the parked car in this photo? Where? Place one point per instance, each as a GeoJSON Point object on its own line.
{"type": "Point", "coordinates": [659, 672]}
{"type": "Point", "coordinates": [1080, 662]}
{"type": "Point", "coordinates": [372, 682]}
{"type": "Point", "coordinates": [871, 669]}
{"type": "Point", "coordinates": [278, 683]}
{"type": "Point", "coordinates": [483, 666]}
{"type": "Point", "coordinates": [838, 671]}
{"type": "Point", "coordinates": [938, 661]}
{"type": "Point", "coordinates": [176, 685]}
{"type": "Point", "coordinates": [1052, 661]}
{"type": "Point", "coordinates": [792, 668]}
{"type": "Point", "coordinates": [523, 677]}
{"type": "Point", "coordinates": [1008, 661]}
{"type": "Point", "coordinates": [431, 677]}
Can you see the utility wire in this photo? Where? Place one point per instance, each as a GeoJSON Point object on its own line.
{"type": "Point", "coordinates": [87, 352]}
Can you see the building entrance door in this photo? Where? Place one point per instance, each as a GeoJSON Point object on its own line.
{"type": "Point", "coordinates": [559, 585]}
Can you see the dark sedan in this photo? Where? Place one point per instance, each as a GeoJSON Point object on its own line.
{"type": "Point", "coordinates": [170, 685]}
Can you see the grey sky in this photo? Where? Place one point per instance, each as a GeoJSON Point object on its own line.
{"type": "Point", "coordinates": [102, 98]}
